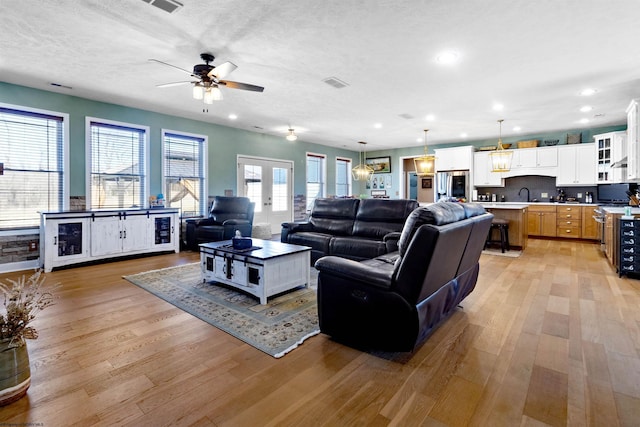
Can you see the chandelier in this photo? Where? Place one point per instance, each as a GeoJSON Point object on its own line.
{"type": "Point", "coordinates": [501, 158]}
{"type": "Point", "coordinates": [425, 165]}
{"type": "Point", "coordinates": [362, 172]}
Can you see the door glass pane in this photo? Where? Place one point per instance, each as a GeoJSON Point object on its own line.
{"type": "Point", "coordinates": [253, 185]}
{"type": "Point", "coordinates": [279, 191]}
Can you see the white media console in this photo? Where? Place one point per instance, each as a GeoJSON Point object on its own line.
{"type": "Point", "coordinates": [73, 237]}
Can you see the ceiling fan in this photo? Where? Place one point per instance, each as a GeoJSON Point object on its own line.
{"type": "Point", "coordinates": [209, 79]}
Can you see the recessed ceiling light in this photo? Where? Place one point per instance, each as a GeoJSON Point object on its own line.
{"type": "Point", "coordinates": [498, 107]}
{"type": "Point", "coordinates": [517, 128]}
{"type": "Point", "coordinates": [586, 108]}
{"type": "Point", "coordinates": [447, 57]}
{"type": "Point", "coordinates": [463, 135]}
{"type": "Point", "coordinates": [378, 125]}
{"type": "Point", "coordinates": [232, 116]}
{"type": "Point", "coordinates": [419, 140]}
{"type": "Point", "coordinates": [583, 121]}
{"type": "Point", "coordinates": [587, 91]}
{"type": "Point", "coordinates": [430, 117]}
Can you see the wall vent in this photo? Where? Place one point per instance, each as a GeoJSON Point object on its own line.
{"type": "Point", "coordinates": [166, 5]}
{"type": "Point", "coordinates": [406, 116]}
{"type": "Point", "coordinates": [335, 82]}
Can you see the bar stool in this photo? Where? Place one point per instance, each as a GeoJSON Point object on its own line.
{"type": "Point", "coordinates": [502, 225]}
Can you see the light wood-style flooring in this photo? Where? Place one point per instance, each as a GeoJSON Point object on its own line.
{"type": "Point", "coordinates": [550, 338]}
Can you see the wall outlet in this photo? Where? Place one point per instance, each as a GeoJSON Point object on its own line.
{"type": "Point", "coordinates": [33, 246]}
{"type": "Point", "coordinates": [544, 195]}
{"type": "Point", "coordinates": [579, 195]}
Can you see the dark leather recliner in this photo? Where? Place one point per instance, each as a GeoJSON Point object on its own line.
{"type": "Point", "coordinates": [394, 301]}
{"type": "Point", "coordinates": [227, 215]}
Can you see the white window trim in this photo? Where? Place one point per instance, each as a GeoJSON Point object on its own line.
{"type": "Point", "coordinates": [66, 197]}
{"type": "Point", "coordinates": [349, 177]}
{"type": "Point", "coordinates": [87, 130]}
{"type": "Point", "coordinates": [324, 170]}
{"type": "Point", "coordinates": [205, 156]}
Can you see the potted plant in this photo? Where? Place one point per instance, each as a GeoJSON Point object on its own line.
{"type": "Point", "coordinates": [22, 300]}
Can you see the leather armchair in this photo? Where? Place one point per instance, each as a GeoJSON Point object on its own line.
{"type": "Point", "coordinates": [227, 215]}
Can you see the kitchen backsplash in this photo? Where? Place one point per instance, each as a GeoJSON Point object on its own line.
{"type": "Point", "coordinates": [537, 185]}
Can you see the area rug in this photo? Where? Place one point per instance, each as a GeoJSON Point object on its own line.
{"type": "Point", "coordinates": [275, 328]}
{"type": "Point", "coordinates": [511, 253]}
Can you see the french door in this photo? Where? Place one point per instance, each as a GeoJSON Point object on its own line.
{"type": "Point", "coordinates": [269, 184]}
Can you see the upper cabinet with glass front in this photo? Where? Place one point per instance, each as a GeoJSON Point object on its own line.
{"type": "Point", "coordinates": [611, 150]}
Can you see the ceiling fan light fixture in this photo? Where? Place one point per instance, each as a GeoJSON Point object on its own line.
{"type": "Point", "coordinates": [501, 158]}
{"type": "Point", "coordinates": [291, 136]}
{"type": "Point", "coordinates": [362, 172]}
{"type": "Point", "coordinates": [425, 165]}
{"type": "Point", "coordinates": [198, 91]}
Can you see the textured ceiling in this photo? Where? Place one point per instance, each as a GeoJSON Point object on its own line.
{"type": "Point", "coordinates": [531, 56]}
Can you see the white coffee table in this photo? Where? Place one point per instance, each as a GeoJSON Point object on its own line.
{"type": "Point", "coordinates": [273, 267]}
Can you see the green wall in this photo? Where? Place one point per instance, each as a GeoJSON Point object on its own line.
{"type": "Point", "coordinates": [225, 143]}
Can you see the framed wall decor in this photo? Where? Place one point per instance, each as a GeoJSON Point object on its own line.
{"type": "Point", "coordinates": [427, 182]}
{"type": "Point", "coordinates": [379, 164]}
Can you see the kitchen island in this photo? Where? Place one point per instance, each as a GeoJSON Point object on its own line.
{"type": "Point", "coordinates": [516, 214]}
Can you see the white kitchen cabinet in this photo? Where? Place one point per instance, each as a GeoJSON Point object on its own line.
{"type": "Point", "coordinates": [577, 162]}
{"type": "Point", "coordinates": [482, 175]}
{"type": "Point", "coordinates": [533, 161]}
{"type": "Point", "coordinates": [633, 141]}
{"type": "Point", "coordinates": [611, 147]}
{"type": "Point", "coordinates": [81, 236]}
{"type": "Point", "coordinates": [455, 158]}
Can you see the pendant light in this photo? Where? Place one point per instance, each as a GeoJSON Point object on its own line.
{"type": "Point", "coordinates": [501, 158]}
{"type": "Point", "coordinates": [362, 172]}
{"type": "Point", "coordinates": [291, 136]}
{"type": "Point", "coordinates": [425, 165]}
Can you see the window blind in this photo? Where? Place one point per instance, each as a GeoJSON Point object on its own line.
{"type": "Point", "coordinates": [117, 166]}
{"type": "Point", "coordinates": [343, 177]}
{"type": "Point", "coordinates": [32, 151]}
{"type": "Point", "coordinates": [184, 173]}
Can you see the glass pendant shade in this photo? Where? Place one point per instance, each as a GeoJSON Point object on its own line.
{"type": "Point", "coordinates": [425, 165]}
{"type": "Point", "coordinates": [501, 158]}
{"type": "Point", "coordinates": [362, 172]}
{"type": "Point", "coordinates": [198, 91]}
{"type": "Point", "coordinates": [291, 136]}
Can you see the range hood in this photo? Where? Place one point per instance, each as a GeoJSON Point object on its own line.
{"type": "Point", "coordinates": [622, 163]}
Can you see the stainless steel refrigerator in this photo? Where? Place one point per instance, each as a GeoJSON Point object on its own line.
{"type": "Point", "coordinates": [453, 184]}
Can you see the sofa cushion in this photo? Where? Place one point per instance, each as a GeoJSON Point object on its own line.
{"type": "Point", "coordinates": [334, 216]}
{"type": "Point", "coordinates": [377, 217]}
{"type": "Point", "coordinates": [357, 248]}
{"type": "Point", "coordinates": [440, 213]}
{"type": "Point", "coordinates": [473, 209]}
{"type": "Point", "coordinates": [317, 241]}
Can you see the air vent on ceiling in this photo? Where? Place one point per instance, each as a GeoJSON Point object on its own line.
{"type": "Point", "coordinates": [166, 5]}
{"type": "Point", "coordinates": [406, 116]}
{"type": "Point", "coordinates": [335, 82]}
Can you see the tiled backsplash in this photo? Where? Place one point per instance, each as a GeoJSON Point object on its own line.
{"type": "Point", "coordinates": [537, 185]}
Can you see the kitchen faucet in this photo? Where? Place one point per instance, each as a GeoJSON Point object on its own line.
{"type": "Point", "coordinates": [524, 188]}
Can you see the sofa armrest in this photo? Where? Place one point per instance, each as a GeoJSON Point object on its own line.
{"type": "Point", "coordinates": [293, 227]}
{"type": "Point", "coordinates": [391, 241]}
{"type": "Point", "coordinates": [355, 271]}
{"type": "Point", "coordinates": [202, 221]}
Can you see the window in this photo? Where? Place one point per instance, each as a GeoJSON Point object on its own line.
{"type": "Point", "coordinates": [184, 172]}
{"type": "Point", "coordinates": [33, 151]}
{"type": "Point", "coordinates": [343, 177]}
{"type": "Point", "coordinates": [117, 166]}
{"type": "Point", "coordinates": [315, 178]}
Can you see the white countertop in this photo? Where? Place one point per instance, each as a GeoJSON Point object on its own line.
{"type": "Point", "coordinates": [504, 205]}
{"type": "Point", "coordinates": [620, 210]}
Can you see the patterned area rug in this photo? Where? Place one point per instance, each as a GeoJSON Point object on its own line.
{"type": "Point", "coordinates": [510, 253]}
{"type": "Point", "coordinates": [275, 328]}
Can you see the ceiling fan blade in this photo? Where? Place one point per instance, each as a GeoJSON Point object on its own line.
{"type": "Point", "coordinates": [222, 70]}
{"type": "Point", "coordinates": [243, 86]}
{"type": "Point", "coordinates": [173, 66]}
{"type": "Point", "coordinates": [173, 84]}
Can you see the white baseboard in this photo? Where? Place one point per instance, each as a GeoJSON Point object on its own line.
{"type": "Point", "coordinates": [18, 266]}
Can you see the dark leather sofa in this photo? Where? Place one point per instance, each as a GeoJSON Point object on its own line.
{"type": "Point", "coordinates": [394, 301]}
{"type": "Point", "coordinates": [351, 228]}
{"type": "Point", "coordinates": [226, 216]}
